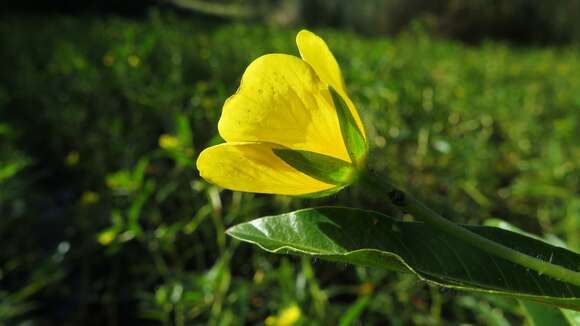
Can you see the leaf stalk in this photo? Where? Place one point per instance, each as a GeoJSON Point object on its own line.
{"type": "Point", "coordinates": [411, 205]}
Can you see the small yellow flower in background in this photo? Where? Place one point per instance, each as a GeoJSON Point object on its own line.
{"type": "Point", "coordinates": [106, 237]}
{"type": "Point", "coordinates": [72, 158]}
{"type": "Point", "coordinates": [134, 61]}
{"type": "Point", "coordinates": [258, 277]}
{"type": "Point", "coordinates": [168, 142]}
{"type": "Point", "coordinates": [287, 317]}
{"type": "Point", "coordinates": [290, 129]}
{"type": "Point", "coordinates": [89, 198]}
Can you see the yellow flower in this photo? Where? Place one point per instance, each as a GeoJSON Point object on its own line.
{"type": "Point", "coordinates": [287, 317]}
{"type": "Point", "coordinates": [168, 142]}
{"type": "Point", "coordinates": [134, 61]}
{"type": "Point", "coordinates": [89, 198]}
{"type": "Point", "coordinates": [72, 158]}
{"type": "Point", "coordinates": [290, 129]}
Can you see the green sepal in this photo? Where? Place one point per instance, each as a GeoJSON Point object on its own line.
{"type": "Point", "coordinates": [319, 166]}
{"type": "Point", "coordinates": [323, 193]}
{"type": "Point", "coordinates": [354, 140]}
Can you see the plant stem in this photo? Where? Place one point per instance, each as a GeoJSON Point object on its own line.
{"type": "Point", "coordinates": [410, 205]}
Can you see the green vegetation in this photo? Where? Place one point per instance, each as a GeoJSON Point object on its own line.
{"type": "Point", "coordinates": [103, 219]}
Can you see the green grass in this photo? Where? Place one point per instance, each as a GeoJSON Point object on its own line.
{"type": "Point", "coordinates": [101, 225]}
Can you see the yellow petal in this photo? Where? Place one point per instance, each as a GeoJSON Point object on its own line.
{"type": "Point", "coordinates": [281, 100]}
{"type": "Point", "coordinates": [253, 167]}
{"type": "Point", "coordinates": [314, 50]}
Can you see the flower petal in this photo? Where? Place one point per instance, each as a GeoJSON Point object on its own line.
{"type": "Point", "coordinates": [281, 100]}
{"type": "Point", "coordinates": [314, 50]}
{"type": "Point", "coordinates": [253, 167]}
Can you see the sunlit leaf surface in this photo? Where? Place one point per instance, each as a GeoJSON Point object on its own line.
{"type": "Point", "coordinates": [372, 239]}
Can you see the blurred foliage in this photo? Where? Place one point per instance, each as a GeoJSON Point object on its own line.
{"type": "Point", "coordinates": [474, 21]}
{"type": "Point", "coordinates": [103, 219]}
{"type": "Point", "coordinates": [522, 21]}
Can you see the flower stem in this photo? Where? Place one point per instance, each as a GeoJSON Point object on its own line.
{"type": "Point", "coordinates": [410, 205]}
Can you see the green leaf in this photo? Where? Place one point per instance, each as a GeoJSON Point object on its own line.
{"type": "Point", "coordinates": [324, 168]}
{"type": "Point", "coordinates": [353, 312]}
{"type": "Point", "coordinates": [11, 168]}
{"type": "Point", "coordinates": [549, 238]}
{"type": "Point", "coordinates": [540, 314]}
{"type": "Point", "coordinates": [573, 316]}
{"type": "Point", "coordinates": [353, 139]}
{"type": "Point", "coordinates": [375, 240]}
{"type": "Point", "coordinates": [323, 193]}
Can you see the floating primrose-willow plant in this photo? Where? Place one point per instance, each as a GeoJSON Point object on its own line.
{"type": "Point", "coordinates": [291, 129]}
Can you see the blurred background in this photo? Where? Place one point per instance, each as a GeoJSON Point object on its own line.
{"type": "Point", "coordinates": [104, 106]}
